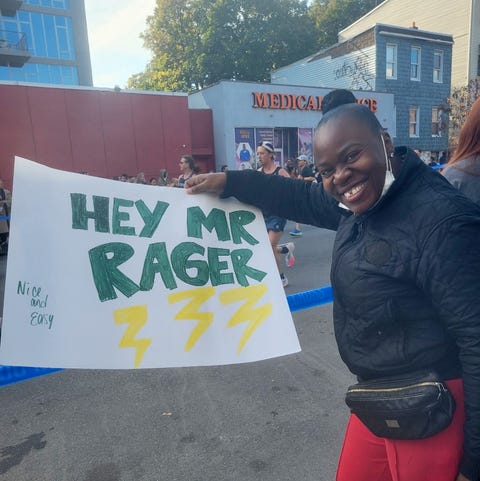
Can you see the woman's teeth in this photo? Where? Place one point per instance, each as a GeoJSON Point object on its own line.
{"type": "Point", "coordinates": [353, 191]}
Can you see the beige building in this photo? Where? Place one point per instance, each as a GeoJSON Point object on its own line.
{"type": "Point", "coordinates": [460, 18]}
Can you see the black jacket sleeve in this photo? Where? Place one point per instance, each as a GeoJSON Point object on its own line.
{"type": "Point", "coordinates": [304, 202]}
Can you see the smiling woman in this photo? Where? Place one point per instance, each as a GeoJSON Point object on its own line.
{"type": "Point", "coordinates": [356, 169]}
{"type": "Point", "coordinates": [405, 281]}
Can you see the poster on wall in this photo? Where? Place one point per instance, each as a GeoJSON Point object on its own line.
{"type": "Point", "coordinates": [244, 148]}
{"type": "Point", "coordinates": [264, 135]}
{"type": "Point", "coordinates": [305, 141]}
{"type": "Point", "coordinates": [125, 276]}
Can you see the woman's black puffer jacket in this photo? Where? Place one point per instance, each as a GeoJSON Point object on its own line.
{"type": "Point", "coordinates": [405, 276]}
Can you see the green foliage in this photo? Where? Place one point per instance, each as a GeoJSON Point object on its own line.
{"type": "Point", "coordinates": [199, 42]}
{"type": "Point", "coordinates": [248, 38]}
{"type": "Point", "coordinates": [331, 16]}
{"type": "Point", "coordinates": [158, 76]}
{"type": "Point", "coordinates": [174, 35]}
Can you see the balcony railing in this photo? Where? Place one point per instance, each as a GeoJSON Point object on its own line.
{"type": "Point", "coordinates": [13, 49]}
{"type": "Point", "coordinates": [9, 8]}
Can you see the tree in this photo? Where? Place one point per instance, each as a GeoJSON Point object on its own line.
{"type": "Point", "coordinates": [199, 42]}
{"type": "Point", "coordinates": [174, 35]}
{"type": "Point", "coordinates": [157, 76]}
{"type": "Point", "coordinates": [248, 38]}
{"type": "Point", "coordinates": [331, 16]}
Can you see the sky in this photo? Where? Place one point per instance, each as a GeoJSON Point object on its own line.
{"type": "Point", "coordinates": [116, 49]}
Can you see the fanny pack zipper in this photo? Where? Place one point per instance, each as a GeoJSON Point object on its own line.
{"type": "Point", "coordinates": [396, 389]}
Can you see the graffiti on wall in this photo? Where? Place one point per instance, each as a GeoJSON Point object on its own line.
{"type": "Point", "coordinates": [358, 72]}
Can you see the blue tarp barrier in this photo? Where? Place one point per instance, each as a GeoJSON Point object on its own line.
{"type": "Point", "coordinates": [11, 374]}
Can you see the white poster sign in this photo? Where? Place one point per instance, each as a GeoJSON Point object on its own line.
{"type": "Point", "coordinates": [105, 274]}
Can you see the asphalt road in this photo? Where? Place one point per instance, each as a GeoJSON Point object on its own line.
{"type": "Point", "coordinates": [276, 420]}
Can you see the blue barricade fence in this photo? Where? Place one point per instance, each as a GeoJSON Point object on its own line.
{"type": "Point", "coordinates": [4, 217]}
{"type": "Point", "coordinates": [11, 374]}
{"type": "Point", "coordinates": [296, 302]}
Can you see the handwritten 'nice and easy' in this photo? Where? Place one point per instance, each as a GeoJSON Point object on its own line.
{"type": "Point", "coordinates": [189, 262]}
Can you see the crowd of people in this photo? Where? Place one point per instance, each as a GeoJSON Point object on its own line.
{"type": "Point", "coordinates": [187, 169]}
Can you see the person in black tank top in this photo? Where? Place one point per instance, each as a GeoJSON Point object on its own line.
{"type": "Point", "coordinates": [188, 168]}
{"type": "Point", "coordinates": [275, 225]}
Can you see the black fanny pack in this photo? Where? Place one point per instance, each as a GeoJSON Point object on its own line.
{"type": "Point", "coordinates": [408, 406]}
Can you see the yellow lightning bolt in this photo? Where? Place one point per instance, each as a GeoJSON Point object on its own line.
{"type": "Point", "coordinates": [135, 317]}
{"type": "Point", "coordinates": [190, 311]}
{"type": "Point", "coordinates": [247, 313]}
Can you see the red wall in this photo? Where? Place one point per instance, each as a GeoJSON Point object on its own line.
{"type": "Point", "coordinates": [201, 127]}
{"type": "Point", "coordinates": [102, 132]}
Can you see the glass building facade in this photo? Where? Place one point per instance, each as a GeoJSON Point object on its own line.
{"type": "Point", "coordinates": [55, 33]}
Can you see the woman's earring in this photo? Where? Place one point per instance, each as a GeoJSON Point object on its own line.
{"type": "Point", "coordinates": [391, 155]}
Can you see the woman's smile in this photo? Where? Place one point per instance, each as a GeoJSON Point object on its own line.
{"type": "Point", "coordinates": [355, 192]}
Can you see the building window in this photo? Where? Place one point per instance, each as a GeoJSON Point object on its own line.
{"type": "Point", "coordinates": [415, 56]}
{"type": "Point", "coordinates": [391, 64]}
{"type": "Point", "coordinates": [49, 36]}
{"type": "Point", "coordinates": [438, 66]}
{"type": "Point", "coordinates": [436, 122]}
{"type": "Point", "coordinates": [63, 4]}
{"type": "Point", "coordinates": [413, 117]}
{"type": "Point", "coordinates": [41, 73]}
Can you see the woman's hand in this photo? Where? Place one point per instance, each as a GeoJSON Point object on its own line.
{"type": "Point", "coordinates": [206, 183]}
{"type": "Point", "coordinates": [461, 477]}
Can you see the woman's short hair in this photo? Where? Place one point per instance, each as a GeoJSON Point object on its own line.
{"type": "Point", "coordinates": [335, 98]}
{"type": "Point", "coordinates": [356, 111]}
{"type": "Point", "coordinates": [190, 161]}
